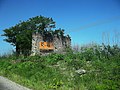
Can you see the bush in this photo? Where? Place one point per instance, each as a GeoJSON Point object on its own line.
{"type": "Point", "coordinates": [57, 71]}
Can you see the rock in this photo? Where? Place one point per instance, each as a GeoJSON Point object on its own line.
{"type": "Point", "coordinates": [80, 71]}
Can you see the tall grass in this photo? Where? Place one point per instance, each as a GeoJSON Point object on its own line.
{"type": "Point", "coordinates": [58, 71]}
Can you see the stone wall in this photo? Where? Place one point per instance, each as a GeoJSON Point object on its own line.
{"type": "Point", "coordinates": [60, 43]}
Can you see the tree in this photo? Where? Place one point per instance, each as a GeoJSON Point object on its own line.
{"type": "Point", "coordinates": [20, 35]}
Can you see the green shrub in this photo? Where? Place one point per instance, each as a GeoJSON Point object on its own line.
{"type": "Point", "coordinates": [57, 71]}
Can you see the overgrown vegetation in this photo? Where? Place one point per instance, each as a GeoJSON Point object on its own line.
{"type": "Point", "coordinates": [92, 68]}
{"type": "Point", "coordinates": [20, 35]}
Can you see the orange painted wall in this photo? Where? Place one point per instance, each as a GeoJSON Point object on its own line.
{"type": "Point", "coordinates": [46, 46]}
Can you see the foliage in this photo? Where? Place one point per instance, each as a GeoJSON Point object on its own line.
{"type": "Point", "coordinates": [58, 71]}
{"type": "Point", "coordinates": [20, 35]}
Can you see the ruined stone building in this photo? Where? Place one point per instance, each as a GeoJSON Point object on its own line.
{"type": "Point", "coordinates": [47, 43]}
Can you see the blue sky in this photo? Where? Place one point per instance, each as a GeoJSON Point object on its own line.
{"type": "Point", "coordinates": [83, 20]}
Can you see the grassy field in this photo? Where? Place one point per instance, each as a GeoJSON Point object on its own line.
{"type": "Point", "coordinates": [92, 68]}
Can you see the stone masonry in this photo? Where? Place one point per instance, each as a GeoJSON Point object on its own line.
{"type": "Point", "coordinates": [59, 42]}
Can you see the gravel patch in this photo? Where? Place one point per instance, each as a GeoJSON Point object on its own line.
{"type": "Point", "coordinates": [6, 84]}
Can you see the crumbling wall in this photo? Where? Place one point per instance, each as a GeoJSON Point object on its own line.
{"type": "Point", "coordinates": [60, 43]}
{"type": "Point", "coordinates": [36, 38]}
